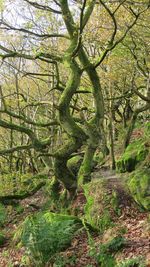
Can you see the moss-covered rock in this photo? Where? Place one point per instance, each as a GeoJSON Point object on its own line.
{"type": "Point", "coordinates": [102, 205]}
{"type": "Point", "coordinates": [74, 164]}
{"type": "Point", "coordinates": [135, 153]}
{"type": "Point", "coordinates": [139, 186]}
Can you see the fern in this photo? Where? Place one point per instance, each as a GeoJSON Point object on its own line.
{"type": "Point", "coordinates": [44, 235]}
{"type": "Point", "coordinates": [134, 262]}
{"type": "Point", "coordinates": [105, 255]}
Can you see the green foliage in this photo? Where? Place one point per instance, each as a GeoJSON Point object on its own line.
{"type": "Point", "coordinates": [99, 158]}
{"type": "Point", "coordinates": [20, 183]}
{"type": "Point", "coordinates": [61, 261]}
{"type": "Point", "coordinates": [19, 209]}
{"type": "Point", "coordinates": [105, 221]}
{"type": "Point", "coordinates": [147, 130]}
{"type": "Point", "coordinates": [139, 186]}
{"type": "Point", "coordinates": [115, 244]}
{"type": "Point", "coordinates": [46, 234]}
{"type": "Point", "coordinates": [1, 5]}
{"type": "Point", "coordinates": [138, 261]}
{"type": "Point", "coordinates": [2, 239]}
{"type": "Point", "coordinates": [104, 256]}
{"type": "Point", "coordinates": [115, 203]}
{"type": "Point", "coordinates": [3, 215]}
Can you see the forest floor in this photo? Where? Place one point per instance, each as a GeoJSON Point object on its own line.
{"type": "Point", "coordinates": [132, 219]}
{"type": "Point", "coordinates": [135, 221]}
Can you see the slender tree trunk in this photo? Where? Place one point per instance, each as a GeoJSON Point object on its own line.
{"type": "Point", "coordinates": [111, 130]}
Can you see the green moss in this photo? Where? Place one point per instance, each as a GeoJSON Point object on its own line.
{"type": "Point", "coordinates": [74, 164]}
{"type": "Point", "coordinates": [115, 202]}
{"type": "Point", "coordinates": [139, 185]}
{"type": "Point", "coordinates": [98, 157]}
{"type": "Point", "coordinates": [19, 209]}
{"type": "Point", "coordinates": [98, 211]}
{"type": "Point", "coordinates": [134, 154]}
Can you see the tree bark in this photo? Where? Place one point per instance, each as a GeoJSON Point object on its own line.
{"type": "Point", "coordinates": [76, 136]}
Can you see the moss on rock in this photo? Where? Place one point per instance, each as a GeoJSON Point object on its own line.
{"type": "Point", "coordinates": [139, 186]}
{"type": "Point", "coordinates": [100, 209]}
{"type": "Point", "coordinates": [135, 153]}
{"type": "Point", "coordinates": [74, 164]}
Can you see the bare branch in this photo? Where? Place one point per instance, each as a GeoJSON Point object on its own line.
{"type": "Point", "coordinates": [25, 194]}
{"type": "Point", "coordinates": [9, 27]}
{"type": "Point", "coordinates": [47, 57]}
{"type": "Point", "coordinates": [27, 120]}
{"type": "Point", "coordinates": [43, 7]}
{"type": "Point", "coordinates": [14, 149]}
{"type": "Point", "coordinates": [143, 97]}
{"type": "Point", "coordinates": [111, 14]}
{"type": "Point", "coordinates": [110, 47]}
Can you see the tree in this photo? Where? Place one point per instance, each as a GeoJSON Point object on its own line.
{"type": "Point", "coordinates": [72, 20]}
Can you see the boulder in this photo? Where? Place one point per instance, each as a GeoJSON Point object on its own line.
{"type": "Point", "coordinates": [74, 164]}
{"type": "Point", "coordinates": [134, 154]}
{"type": "Point", "coordinates": [139, 186]}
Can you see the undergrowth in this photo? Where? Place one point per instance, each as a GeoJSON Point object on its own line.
{"type": "Point", "coordinates": [104, 254]}
{"type": "Point", "coordinates": [3, 215]}
{"type": "Point", "coordinates": [134, 262]}
{"type": "Point", "coordinates": [45, 235]}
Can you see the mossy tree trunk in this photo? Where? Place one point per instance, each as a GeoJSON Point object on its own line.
{"type": "Point", "coordinates": [94, 127]}
{"type": "Point", "coordinates": [76, 135]}
{"type": "Point", "coordinates": [111, 130]}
